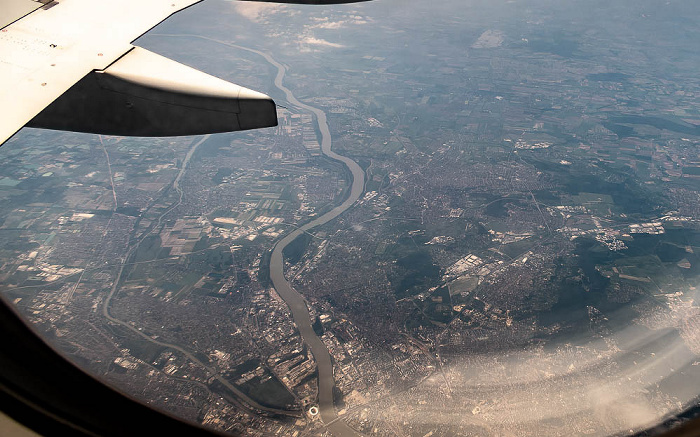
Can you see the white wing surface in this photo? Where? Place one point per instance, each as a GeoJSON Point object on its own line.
{"type": "Point", "coordinates": [46, 52]}
{"type": "Point", "coordinates": [70, 65]}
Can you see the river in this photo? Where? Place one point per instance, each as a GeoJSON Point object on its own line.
{"type": "Point", "coordinates": [294, 300]}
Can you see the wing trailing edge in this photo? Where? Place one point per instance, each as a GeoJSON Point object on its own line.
{"type": "Point", "coordinates": [145, 94]}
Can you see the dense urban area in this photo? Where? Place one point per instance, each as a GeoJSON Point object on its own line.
{"type": "Point", "coordinates": [522, 259]}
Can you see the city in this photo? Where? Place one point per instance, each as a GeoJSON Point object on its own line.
{"type": "Point", "coordinates": [528, 223]}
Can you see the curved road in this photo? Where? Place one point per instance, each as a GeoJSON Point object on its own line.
{"type": "Point", "coordinates": [213, 371]}
{"type": "Point", "coordinates": [293, 298]}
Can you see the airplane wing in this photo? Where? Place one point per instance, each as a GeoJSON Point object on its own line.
{"type": "Point", "coordinates": [45, 53]}
{"type": "Point", "coordinates": [70, 65]}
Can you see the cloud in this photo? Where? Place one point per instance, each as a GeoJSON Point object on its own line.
{"type": "Point", "coordinates": [489, 39]}
{"type": "Point", "coordinates": [330, 25]}
{"type": "Point", "coordinates": [260, 12]}
{"type": "Point", "coordinates": [310, 40]}
{"type": "Point", "coordinates": [324, 23]}
{"type": "Point", "coordinates": [255, 11]}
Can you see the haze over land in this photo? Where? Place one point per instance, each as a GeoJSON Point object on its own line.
{"type": "Point", "coordinates": [521, 259]}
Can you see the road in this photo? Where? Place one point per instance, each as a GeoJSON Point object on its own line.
{"type": "Point", "coordinates": [213, 372]}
